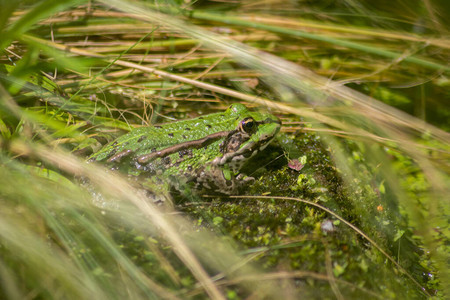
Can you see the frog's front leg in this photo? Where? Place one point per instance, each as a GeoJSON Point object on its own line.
{"type": "Point", "coordinates": [221, 179]}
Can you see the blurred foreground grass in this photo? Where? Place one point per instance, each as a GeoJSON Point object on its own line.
{"type": "Point", "coordinates": [367, 216]}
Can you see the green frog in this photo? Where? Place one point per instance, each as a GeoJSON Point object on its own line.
{"type": "Point", "coordinates": [207, 152]}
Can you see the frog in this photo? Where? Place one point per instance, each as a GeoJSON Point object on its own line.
{"type": "Point", "coordinates": [203, 153]}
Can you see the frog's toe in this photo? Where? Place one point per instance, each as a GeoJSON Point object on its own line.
{"type": "Point", "coordinates": [245, 179]}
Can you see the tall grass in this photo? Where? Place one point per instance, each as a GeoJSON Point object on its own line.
{"type": "Point", "coordinates": [74, 74]}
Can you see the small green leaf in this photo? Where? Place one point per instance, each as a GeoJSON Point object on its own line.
{"type": "Point", "coordinates": [398, 235]}
{"type": "Point", "coordinates": [381, 188]}
{"type": "Point", "coordinates": [363, 265]}
{"type": "Point", "coordinates": [217, 220]}
{"type": "Point", "coordinates": [303, 160]}
{"type": "Point", "coordinates": [139, 238]}
{"type": "Point", "coordinates": [338, 270]}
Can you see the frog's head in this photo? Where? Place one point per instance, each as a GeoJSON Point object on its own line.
{"type": "Point", "coordinates": [254, 131]}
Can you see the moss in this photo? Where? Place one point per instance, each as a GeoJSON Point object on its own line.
{"type": "Point", "coordinates": [296, 236]}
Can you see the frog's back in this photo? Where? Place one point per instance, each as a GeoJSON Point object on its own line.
{"type": "Point", "coordinates": [143, 140]}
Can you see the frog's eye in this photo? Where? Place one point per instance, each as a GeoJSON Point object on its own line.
{"type": "Point", "coordinates": [248, 125]}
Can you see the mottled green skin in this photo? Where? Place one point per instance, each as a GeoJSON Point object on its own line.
{"type": "Point", "coordinates": [215, 164]}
